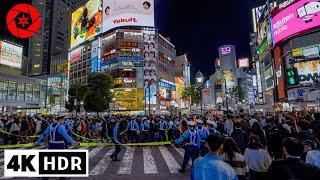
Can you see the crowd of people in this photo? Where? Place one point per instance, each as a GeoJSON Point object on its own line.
{"type": "Point", "coordinates": [285, 146]}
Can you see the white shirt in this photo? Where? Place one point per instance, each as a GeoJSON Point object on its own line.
{"type": "Point", "coordinates": [257, 160]}
{"type": "Point", "coordinates": [313, 157]}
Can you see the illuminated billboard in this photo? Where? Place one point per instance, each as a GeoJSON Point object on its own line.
{"type": "Point", "coordinates": [243, 63]}
{"type": "Point", "coordinates": [308, 71]}
{"type": "Point", "coordinates": [118, 13]}
{"type": "Point", "coordinates": [296, 18]}
{"type": "Point", "coordinates": [86, 22]}
{"type": "Point", "coordinates": [10, 55]}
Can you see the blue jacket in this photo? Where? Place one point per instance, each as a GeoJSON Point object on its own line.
{"type": "Point", "coordinates": [191, 137]}
{"type": "Point", "coordinates": [68, 125]}
{"type": "Point", "coordinates": [62, 132]}
{"type": "Point", "coordinates": [162, 125]}
{"type": "Point", "coordinates": [202, 132]}
{"type": "Point", "coordinates": [115, 134]}
{"type": "Point", "coordinates": [210, 167]}
{"type": "Point", "coordinates": [133, 125]}
{"type": "Point", "coordinates": [145, 126]}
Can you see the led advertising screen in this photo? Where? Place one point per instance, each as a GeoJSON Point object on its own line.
{"type": "Point", "coordinates": [86, 22]}
{"type": "Point", "coordinates": [118, 13]}
{"type": "Point", "coordinates": [243, 63]}
{"type": "Point", "coordinates": [10, 55]}
{"type": "Point", "coordinates": [308, 71]}
{"type": "Point", "coordinates": [298, 17]}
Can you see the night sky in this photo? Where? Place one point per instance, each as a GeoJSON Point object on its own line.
{"type": "Point", "coordinates": [197, 28]}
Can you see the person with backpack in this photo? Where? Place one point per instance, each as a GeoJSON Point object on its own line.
{"type": "Point", "coordinates": [240, 136]}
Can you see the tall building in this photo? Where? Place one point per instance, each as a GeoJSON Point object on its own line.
{"type": "Point", "coordinates": [53, 37]}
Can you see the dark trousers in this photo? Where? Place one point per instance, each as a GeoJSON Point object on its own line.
{"type": "Point", "coordinates": [254, 175]}
{"type": "Point", "coordinates": [116, 151]}
{"type": "Point", "coordinates": [145, 136]}
{"type": "Point", "coordinates": [133, 136]}
{"type": "Point", "coordinates": [162, 135]}
{"type": "Point", "coordinates": [14, 139]}
{"type": "Point", "coordinates": [192, 152]}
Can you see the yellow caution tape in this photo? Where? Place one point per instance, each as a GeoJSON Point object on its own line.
{"type": "Point", "coordinates": [99, 144]}
{"type": "Point", "coordinates": [5, 132]}
{"type": "Point", "coordinates": [12, 146]}
{"type": "Point", "coordinates": [87, 138]}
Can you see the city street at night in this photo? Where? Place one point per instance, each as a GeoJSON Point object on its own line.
{"type": "Point", "coordinates": [160, 89]}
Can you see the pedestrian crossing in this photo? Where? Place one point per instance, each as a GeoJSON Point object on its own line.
{"type": "Point", "coordinates": [133, 160]}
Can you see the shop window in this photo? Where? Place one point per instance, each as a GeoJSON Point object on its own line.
{"type": "Point", "coordinates": [3, 90]}
{"type": "Point", "coordinates": [12, 95]}
{"type": "Point", "coordinates": [21, 91]}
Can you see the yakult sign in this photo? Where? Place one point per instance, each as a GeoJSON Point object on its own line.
{"type": "Point", "coordinates": [298, 17]}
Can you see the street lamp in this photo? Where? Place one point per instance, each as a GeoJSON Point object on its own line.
{"type": "Point", "coordinates": [199, 79]}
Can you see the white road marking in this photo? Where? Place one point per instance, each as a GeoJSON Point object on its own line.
{"type": "Point", "coordinates": [181, 152]}
{"type": "Point", "coordinates": [94, 152]}
{"type": "Point", "coordinates": [170, 161]}
{"type": "Point", "coordinates": [102, 165]}
{"type": "Point", "coordinates": [148, 162]}
{"type": "Point", "coordinates": [127, 162]}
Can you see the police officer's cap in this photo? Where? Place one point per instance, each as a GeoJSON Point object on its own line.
{"type": "Point", "coordinates": [190, 123]}
{"type": "Point", "coordinates": [199, 121]}
{"type": "Point", "coordinates": [210, 122]}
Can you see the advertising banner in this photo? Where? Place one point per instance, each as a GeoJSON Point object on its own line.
{"type": "Point", "coordinates": [298, 93]}
{"type": "Point", "coordinates": [307, 52]}
{"type": "Point", "coordinates": [298, 17]}
{"type": "Point", "coordinates": [152, 95]}
{"type": "Point", "coordinates": [10, 55]}
{"type": "Point", "coordinates": [86, 22]}
{"type": "Point", "coordinates": [75, 55]}
{"type": "Point", "coordinates": [308, 71]}
{"type": "Point", "coordinates": [149, 51]}
{"type": "Point", "coordinates": [95, 60]}
{"type": "Point", "coordinates": [206, 96]}
{"type": "Point", "coordinates": [117, 13]}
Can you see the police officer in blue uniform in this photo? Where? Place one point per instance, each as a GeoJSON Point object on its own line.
{"type": "Point", "coordinates": [192, 145]}
{"type": "Point", "coordinates": [57, 135]}
{"type": "Point", "coordinates": [145, 127]}
{"type": "Point", "coordinates": [202, 134]}
{"type": "Point", "coordinates": [211, 129]}
{"type": "Point", "coordinates": [176, 128]}
{"type": "Point", "coordinates": [133, 128]}
{"type": "Point", "coordinates": [162, 129]}
{"type": "Point", "coordinates": [116, 141]}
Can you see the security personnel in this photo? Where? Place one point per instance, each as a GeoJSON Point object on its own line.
{"type": "Point", "coordinates": [192, 145]}
{"type": "Point", "coordinates": [211, 129]}
{"type": "Point", "coordinates": [176, 128]}
{"type": "Point", "coordinates": [57, 133]}
{"type": "Point", "coordinates": [202, 134]}
{"type": "Point", "coordinates": [116, 141]}
{"type": "Point", "coordinates": [145, 127]}
{"type": "Point", "coordinates": [133, 128]}
{"type": "Point", "coordinates": [162, 129]}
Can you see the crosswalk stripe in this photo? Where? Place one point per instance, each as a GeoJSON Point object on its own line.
{"type": "Point", "coordinates": [181, 152]}
{"type": "Point", "coordinates": [169, 159]}
{"type": "Point", "coordinates": [94, 152]}
{"type": "Point", "coordinates": [102, 165]}
{"type": "Point", "coordinates": [127, 162]}
{"type": "Point", "coordinates": [148, 162]}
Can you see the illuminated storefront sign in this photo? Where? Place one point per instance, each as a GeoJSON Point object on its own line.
{"type": "Point", "coordinates": [298, 17]}
{"type": "Point", "coordinates": [308, 71]}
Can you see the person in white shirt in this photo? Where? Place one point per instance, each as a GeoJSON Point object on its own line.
{"type": "Point", "coordinates": [257, 158]}
{"type": "Point", "coordinates": [313, 156]}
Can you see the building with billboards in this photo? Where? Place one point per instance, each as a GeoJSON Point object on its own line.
{"type": "Point", "coordinates": [288, 70]}
{"type": "Point", "coordinates": [125, 44]}
{"type": "Point", "coordinates": [17, 93]}
{"type": "Point", "coordinates": [296, 34]}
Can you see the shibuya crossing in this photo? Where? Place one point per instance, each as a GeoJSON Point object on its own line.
{"type": "Point", "coordinates": [160, 89]}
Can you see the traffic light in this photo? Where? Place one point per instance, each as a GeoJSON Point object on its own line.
{"type": "Point", "coordinates": [292, 76]}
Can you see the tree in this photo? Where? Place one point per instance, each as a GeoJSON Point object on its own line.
{"type": "Point", "coordinates": [239, 93]}
{"type": "Point", "coordinates": [77, 94]}
{"type": "Point", "coordinates": [99, 95]}
{"type": "Point", "coordinates": [193, 93]}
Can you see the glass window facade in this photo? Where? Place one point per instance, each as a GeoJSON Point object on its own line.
{"type": "Point", "coordinates": [12, 91]}
{"type": "Point", "coordinates": [29, 93]}
{"type": "Point", "coordinates": [3, 90]}
{"type": "Point", "coordinates": [21, 91]}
